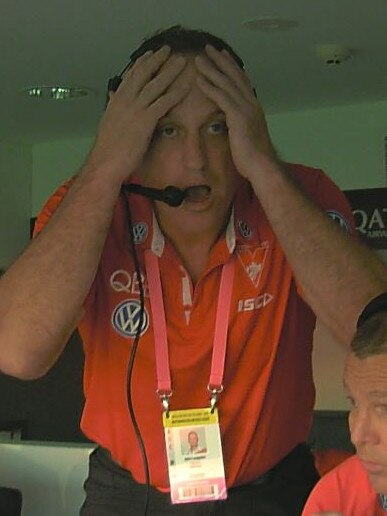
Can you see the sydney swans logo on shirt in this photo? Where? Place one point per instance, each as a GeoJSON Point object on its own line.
{"type": "Point", "coordinates": [253, 261]}
{"type": "Point", "coordinates": [126, 318]}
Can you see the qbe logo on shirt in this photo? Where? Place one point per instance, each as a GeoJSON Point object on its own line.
{"type": "Point", "coordinates": [126, 318]}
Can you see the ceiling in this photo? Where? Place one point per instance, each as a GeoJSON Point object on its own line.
{"type": "Point", "coordinates": [83, 42]}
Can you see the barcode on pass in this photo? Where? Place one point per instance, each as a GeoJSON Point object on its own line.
{"type": "Point", "coordinates": [198, 491]}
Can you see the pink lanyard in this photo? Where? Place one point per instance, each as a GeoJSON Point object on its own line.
{"type": "Point", "coordinates": [164, 385]}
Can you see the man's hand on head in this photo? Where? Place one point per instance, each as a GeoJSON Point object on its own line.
{"type": "Point", "coordinates": [226, 84]}
{"type": "Point", "coordinates": [146, 93]}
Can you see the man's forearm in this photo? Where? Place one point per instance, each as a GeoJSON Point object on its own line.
{"type": "Point", "coordinates": [41, 295]}
{"type": "Point", "coordinates": [338, 274]}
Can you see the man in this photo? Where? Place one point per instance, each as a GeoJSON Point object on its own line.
{"type": "Point", "coordinates": [358, 487]}
{"type": "Point", "coordinates": [193, 444]}
{"type": "Point", "coordinates": [225, 280]}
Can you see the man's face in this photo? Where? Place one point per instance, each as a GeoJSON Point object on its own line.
{"type": "Point", "coordinates": [190, 147]}
{"type": "Point", "coordinates": [366, 382]}
{"type": "Point", "coordinates": [193, 439]}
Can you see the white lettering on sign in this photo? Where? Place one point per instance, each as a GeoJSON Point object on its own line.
{"type": "Point", "coordinates": [375, 221]}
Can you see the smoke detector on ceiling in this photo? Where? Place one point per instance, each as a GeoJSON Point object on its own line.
{"type": "Point", "coordinates": [333, 54]}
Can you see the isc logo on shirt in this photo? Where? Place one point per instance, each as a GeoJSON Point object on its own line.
{"type": "Point", "coordinates": [254, 303]}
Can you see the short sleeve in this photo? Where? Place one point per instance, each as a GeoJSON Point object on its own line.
{"type": "Point", "coordinates": [50, 206]}
{"type": "Point", "coordinates": [326, 194]}
{"type": "Point", "coordinates": [49, 209]}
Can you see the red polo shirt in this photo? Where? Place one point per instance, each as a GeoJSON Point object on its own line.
{"type": "Point", "coordinates": [347, 490]}
{"type": "Point", "coordinates": [266, 407]}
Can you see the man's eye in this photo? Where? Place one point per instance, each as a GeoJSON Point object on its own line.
{"type": "Point", "coordinates": [167, 131]}
{"type": "Point", "coordinates": [217, 128]}
{"type": "Point", "coordinates": [381, 409]}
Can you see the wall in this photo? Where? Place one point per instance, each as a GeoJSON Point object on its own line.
{"type": "Point", "coordinates": [54, 162]}
{"type": "Point", "coordinates": [15, 199]}
{"type": "Point", "coordinates": [346, 141]}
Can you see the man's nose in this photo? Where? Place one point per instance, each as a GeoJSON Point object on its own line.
{"type": "Point", "coordinates": [194, 153]}
{"type": "Point", "coordinates": [362, 429]}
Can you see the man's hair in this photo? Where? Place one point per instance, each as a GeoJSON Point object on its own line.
{"type": "Point", "coordinates": [184, 41]}
{"type": "Point", "coordinates": [371, 337]}
{"type": "Point", "coordinates": [181, 41]}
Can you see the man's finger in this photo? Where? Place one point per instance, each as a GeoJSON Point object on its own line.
{"type": "Point", "coordinates": [228, 66]}
{"type": "Point", "coordinates": [166, 75]}
{"type": "Point", "coordinates": [168, 100]}
{"type": "Point", "coordinates": [220, 97]}
{"type": "Point", "coordinates": [216, 77]}
{"type": "Point", "coordinates": [143, 70]}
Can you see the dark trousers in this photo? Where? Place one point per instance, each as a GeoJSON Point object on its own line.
{"type": "Point", "coordinates": [111, 491]}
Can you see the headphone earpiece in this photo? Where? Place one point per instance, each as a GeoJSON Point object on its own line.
{"type": "Point", "coordinates": [114, 83]}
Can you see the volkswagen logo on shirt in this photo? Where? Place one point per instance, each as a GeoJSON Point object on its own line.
{"type": "Point", "coordinates": [339, 219]}
{"type": "Point", "coordinates": [244, 229]}
{"type": "Point", "coordinates": [126, 318]}
{"type": "Point", "coordinates": [140, 232]}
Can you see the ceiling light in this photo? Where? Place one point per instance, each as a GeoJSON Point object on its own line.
{"type": "Point", "coordinates": [270, 24]}
{"type": "Point", "coordinates": [56, 92]}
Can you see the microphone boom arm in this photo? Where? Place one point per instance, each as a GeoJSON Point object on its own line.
{"type": "Point", "coordinates": [171, 195]}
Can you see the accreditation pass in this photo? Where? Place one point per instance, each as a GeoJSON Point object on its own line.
{"type": "Point", "coordinates": [194, 453]}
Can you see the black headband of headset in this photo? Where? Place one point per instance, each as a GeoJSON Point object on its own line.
{"type": "Point", "coordinates": [115, 81]}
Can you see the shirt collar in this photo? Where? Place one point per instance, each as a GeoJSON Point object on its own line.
{"type": "Point", "coordinates": [230, 232]}
{"type": "Point", "coordinates": [158, 240]}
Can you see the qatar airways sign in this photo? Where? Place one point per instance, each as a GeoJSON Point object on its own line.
{"type": "Point", "coordinates": [369, 208]}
